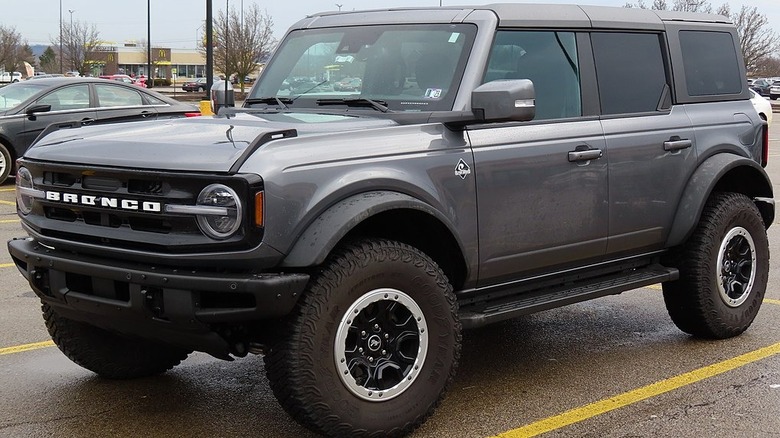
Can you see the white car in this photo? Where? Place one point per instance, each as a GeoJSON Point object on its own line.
{"type": "Point", "coordinates": [762, 105]}
{"type": "Point", "coordinates": [774, 90]}
{"type": "Point", "coordinates": [7, 77]}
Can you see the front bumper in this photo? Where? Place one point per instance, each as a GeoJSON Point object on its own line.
{"type": "Point", "coordinates": [183, 307]}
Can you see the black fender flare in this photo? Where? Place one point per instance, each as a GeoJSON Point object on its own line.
{"type": "Point", "coordinates": [325, 232]}
{"type": "Point", "coordinates": [702, 183]}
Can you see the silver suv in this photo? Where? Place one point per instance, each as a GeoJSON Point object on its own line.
{"type": "Point", "coordinates": [489, 162]}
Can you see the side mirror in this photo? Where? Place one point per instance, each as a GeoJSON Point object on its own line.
{"type": "Point", "coordinates": [40, 108]}
{"type": "Point", "coordinates": [222, 96]}
{"type": "Point", "coordinates": [504, 100]}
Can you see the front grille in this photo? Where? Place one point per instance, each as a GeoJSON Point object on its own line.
{"type": "Point", "coordinates": [93, 212]}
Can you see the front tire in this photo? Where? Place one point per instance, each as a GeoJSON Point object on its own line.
{"type": "Point", "coordinates": [107, 354]}
{"type": "Point", "coordinates": [373, 346]}
{"type": "Point", "coordinates": [724, 268]}
{"type": "Point", "coordinates": [6, 163]}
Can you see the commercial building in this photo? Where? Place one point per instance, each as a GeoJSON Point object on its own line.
{"type": "Point", "coordinates": [131, 59]}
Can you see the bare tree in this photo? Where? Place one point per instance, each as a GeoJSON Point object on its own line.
{"type": "Point", "coordinates": [692, 6]}
{"type": "Point", "coordinates": [769, 67]}
{"type": "Point", "coordinates": [241, 40]}
{"type": "Point", "coordinates": [659, 5]}
{"type": "Point", "coordinates": [11, 49]}
{"type": "Point", "coordinates": [78, 41]}
{"type": "Point", "coordinates": [758, 42]}
{"type": "Point", "coordinates": [677, 5]}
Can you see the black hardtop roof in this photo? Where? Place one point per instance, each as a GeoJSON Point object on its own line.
{"type": "Point", "coordinates": [526, 15]}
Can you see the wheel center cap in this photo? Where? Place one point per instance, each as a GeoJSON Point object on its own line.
{"type": "Point", "coordinates": [374, 343]}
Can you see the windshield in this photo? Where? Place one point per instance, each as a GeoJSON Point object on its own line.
{"type": "Point", "coordinates": [405, 68]}
{"type": "Point", "coordinates": [12, 95]}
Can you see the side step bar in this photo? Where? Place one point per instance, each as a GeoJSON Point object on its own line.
{"type": "Point", "coordinates": [507, 307]}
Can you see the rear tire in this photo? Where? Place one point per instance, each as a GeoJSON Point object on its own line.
{"type": "Point", "coordinates": [724, 268]}
{"type": "Point", "coordinates": [373, 345]}
{"type": "Point", "coordinates": [107, 354]}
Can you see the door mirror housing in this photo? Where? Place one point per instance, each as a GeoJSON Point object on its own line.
{"type": "Point", "coordinates": [504, 100]}
{"type": "Point", "coordinates": [39, 108]}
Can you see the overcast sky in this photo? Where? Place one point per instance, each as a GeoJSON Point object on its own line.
{"type": "Point", "coordinates": [175, 23]}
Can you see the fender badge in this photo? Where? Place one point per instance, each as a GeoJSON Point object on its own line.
{"type": "Point", "coordinates": [462, 169]}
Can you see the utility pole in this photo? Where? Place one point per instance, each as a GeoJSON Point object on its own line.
{"type": "Point", "coordinates": [61, 69]}
{"type": "Point", "coordinates": [149, 76]}
{"type": "Point", "coordinates": [209, 49]}
{"type": "Point", "coordinates": [70, 40]}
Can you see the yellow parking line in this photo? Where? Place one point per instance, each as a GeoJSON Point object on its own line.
{"type": "Point", "coordinates": [769, 300]}
{"type": "Point", "coordinates": [7, 202]}
{"type": "Point", "coordinates": [654, 389]}
{"type": "Point", "coordinates": [9, 221]}
{"type": "Point", "coordinates": [8, 190]}
{"type": "Point", "coordinates": [6, 265]}
{"type": "Point", "coordinates": [26, 347]}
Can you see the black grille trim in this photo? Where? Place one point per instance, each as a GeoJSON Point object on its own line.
{"type": "Point", "coordinates": [130, 229]}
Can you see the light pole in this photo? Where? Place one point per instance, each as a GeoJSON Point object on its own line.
{"type": "Point", "coordinates": [61, 70]}
{"type": "Point", "coordinates": [339, 6]}
{"type": "Point", "coordinates": [70, 40]}
{"type": "Point", "coordinates": [149, 76]}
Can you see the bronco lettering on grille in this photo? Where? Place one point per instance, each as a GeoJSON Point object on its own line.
{"type": "Point", "coordinates": [105, 202]}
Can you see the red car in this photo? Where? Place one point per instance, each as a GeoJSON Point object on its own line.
{"type": "Point", "coordinates": [140, 81]}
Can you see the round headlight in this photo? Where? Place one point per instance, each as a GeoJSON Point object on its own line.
{"type": "Point", "coordinates": [24, 183]}
{"type": "Point", "coordinates": [221, 217]}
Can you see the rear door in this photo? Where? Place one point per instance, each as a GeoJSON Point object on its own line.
{"type": "Point", "coordinates": [116, 103]}
{"type": "Point", "coordinates": [650, 140]}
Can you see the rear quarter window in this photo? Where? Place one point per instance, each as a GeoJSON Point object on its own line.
{"type": "Point", "coordinates": [710, 62]}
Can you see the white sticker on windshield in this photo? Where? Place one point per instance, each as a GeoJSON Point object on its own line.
{"type": "Point", "coordinates": [454, 37]}
{"type": "Point", "coordinates": [433, 93]}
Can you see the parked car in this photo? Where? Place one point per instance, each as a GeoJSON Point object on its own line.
{"type": "Point", "coordinates": [126, 79]}
{"type": "Point", "coordinates": [10, 77]}
{"type": "Point", "coordinates": [198, 84]}
{"type": "Point", "coordinates": [499, 161]}
{"type": "Point", "coordinates": [761, 86]}
{"type": "Point", "coordinates": [348, 84]}
{"type": "Point", "coordinates": [774, 90]}
{"type": "Point", "coordinates": [762, 105]}
{"type": "Point", "coordinates": [28, 107]}
{"type": "Point", "coordinates": [140, 81]}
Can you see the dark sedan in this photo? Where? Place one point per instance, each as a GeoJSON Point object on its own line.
{"type": "Point", "coordinates": [761, 86]}
{"type": "Point", "coordinates": [28, 107]}
{"type": "Point", "coordinates": [196, 85]}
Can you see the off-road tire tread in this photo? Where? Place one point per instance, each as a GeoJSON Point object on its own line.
{"type": "Point", "coordinates": [693, 300]}
{"type": "Point", "coordinates": [288, 373]}
{"type": "Point", "coordinates": [107, 354]}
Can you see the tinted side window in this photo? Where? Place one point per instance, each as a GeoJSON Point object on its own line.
{"type": "Point", "coordinates": [67, 98]}
{"type": "Point", "coordinates": [549, 60]}
{"type": "Point", "coordinates": [109, 96]}
{"type": "Point", "coordinates": [710, 62]}
{"type": "Point", "coordinates": [630, 70]}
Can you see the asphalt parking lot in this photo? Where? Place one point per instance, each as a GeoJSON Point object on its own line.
{"type": "Point", "coordinates": [612, 367]}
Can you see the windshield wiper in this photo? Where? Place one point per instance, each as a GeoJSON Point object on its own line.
{"type": "Point", "coordinates": [378, 105]}
{"type": "Point", "coordinates": [282, 102]}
